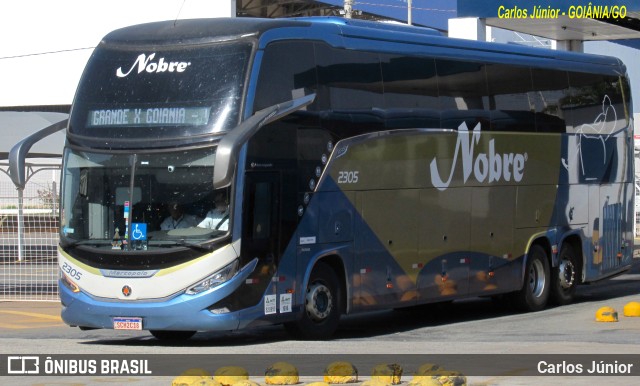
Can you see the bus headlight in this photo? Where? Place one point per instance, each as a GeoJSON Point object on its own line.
{"type": "Point", "coordinates": [214, 280]}
{"type": "Point", "coordinates": [64, 279]}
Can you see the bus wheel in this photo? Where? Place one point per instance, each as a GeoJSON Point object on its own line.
{"type": "Point", "coordinates": [564, 278]}
{"type": "Point", "coordinates": [322, 306]}
{"type": "Point", "coordinates": [172, 336]}
{"type": "Point", "coordinates": [535, 292]}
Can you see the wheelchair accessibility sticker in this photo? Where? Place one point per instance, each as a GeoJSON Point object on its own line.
{"type": "Point", "coordinates": [138, 231]}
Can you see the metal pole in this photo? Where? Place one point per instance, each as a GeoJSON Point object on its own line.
{"type": "Point", "coordinates": [409, 12]}
{"type": "Point", "coordinates": [54, 199]}
{"type": "Point", "coordinates": [54, 194]}
{"type": "Point", "coordinates": [348, 8]}
{"type": "Point", "coordinates": [20, 225]}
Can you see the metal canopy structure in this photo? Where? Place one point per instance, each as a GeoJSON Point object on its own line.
{"type": "Point", "coordinates": [569, 20]}
{"type": "Point", "coordinates": [435, 13]}
{"type": "Point", "coordinates": [15, 126]}
{"type": "Point", "coordinates": [564, 28]}
{"type": "Point", "coordinates": [428, 13]}
{"type": "Point", "coordinates": [284, 8]}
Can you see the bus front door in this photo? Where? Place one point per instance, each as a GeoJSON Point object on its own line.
{"type": "Point", "coordinates": [260, 229]}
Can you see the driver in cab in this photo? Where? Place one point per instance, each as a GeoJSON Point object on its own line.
{"type": "Point", "coordinates": [218, 217]}
{"type": "Point", "coordinates": [177, 219]}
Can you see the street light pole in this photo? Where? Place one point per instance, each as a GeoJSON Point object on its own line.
{"type": "Point", "coordinates": [409, 12]}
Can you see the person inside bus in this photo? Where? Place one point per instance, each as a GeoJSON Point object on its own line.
{"type": "Point", "coordinates": [218, 217]}
{"type": "Point", "coordinates": [177, 219]}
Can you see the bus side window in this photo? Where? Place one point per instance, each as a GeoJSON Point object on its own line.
{"type": "Point", "coordinates": [597, 103]}
{"type": "Point", "coordinates": [550, 100]}
{"type": "Point", "coordinates": [409, 82]}
{"type": "Point", "coordinates": [410, 92]}
{"type": "Point", "coordinates": [348, 79]}
{"type": "Point", "coordinates": [510, 98]}
{"type": "Point", "coordinates": [287, 68]}
{"type": "Point", "coordinates": [462, 87]}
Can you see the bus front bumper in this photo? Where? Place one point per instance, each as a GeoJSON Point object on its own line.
{"type": "Point", "coordinates": [182, 312]}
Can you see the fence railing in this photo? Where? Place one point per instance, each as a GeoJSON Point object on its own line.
{"type": "Point", "coordinates": [28, 253]}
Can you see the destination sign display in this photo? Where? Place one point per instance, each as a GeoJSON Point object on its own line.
{"type": "Point", "coordinates": [149, 116]}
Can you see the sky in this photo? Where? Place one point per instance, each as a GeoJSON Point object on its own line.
{"type": "Point", "coordinates": [46, 44]}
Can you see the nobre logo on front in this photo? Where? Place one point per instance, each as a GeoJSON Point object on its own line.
{"type": "Point", "coordinates": [490, 167]}
{"type": "Point", "coordinates": [146, 63]}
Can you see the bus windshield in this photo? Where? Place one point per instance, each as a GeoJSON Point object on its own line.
{"type": "Point", "coordinates": [153, 92]}
{"type": "Point", "coordinates": [141, 201]}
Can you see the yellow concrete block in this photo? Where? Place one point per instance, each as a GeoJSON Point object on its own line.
{"type": "Point", "coordinates": [229, 375]}
{"type": "Point", "coordinates": [425, 373]}
{"type": "Point", "coordinates": [424, 381]}
{"type": "Point", "coordinates": [281, 373]}
{"type": "Point", "coordinates": [428, 368]}
{"type": "Point", "coordinates": [196, 372]}
{"type": "Point", "coordinates": [389, 373]}
{"type": "Point", "coordinates": [246, 382]}
{"type": "Point", "coordinates": [632, 309]}
{"type": "Point", "coordinates": [430, 374]}
{"type": "Point", "coordinates": [606, 314]}
{"type": "Point", "coordinates": [194, 377]}
{"type": "Point", "coordinates": [340, 372]}
{"type": "Point", "coordinates": [451, 378]}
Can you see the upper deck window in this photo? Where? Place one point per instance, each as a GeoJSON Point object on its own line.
{"type": "Point", "coordinates": [159, 92]}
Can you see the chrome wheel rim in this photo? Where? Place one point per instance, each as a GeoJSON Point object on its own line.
{"type": "Point", "coordinates": [566, 274]}
{"type": "Point", "coordinates": [319, 302]}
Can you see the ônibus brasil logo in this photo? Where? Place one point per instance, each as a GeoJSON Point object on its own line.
{"type": "Point", "coordinates": [144, 63]}
{"type": "Point", "coordinates": [491, 167]}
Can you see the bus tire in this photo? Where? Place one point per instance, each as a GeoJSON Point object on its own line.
{"type": "Point", "coordinates": [564, 277]}
{"type": "Point", "coordinates": [535, 291]}
{"type": "Point", "coordinates": [172, 336]}
{"type": "Point", "coordinates": [321, 312]}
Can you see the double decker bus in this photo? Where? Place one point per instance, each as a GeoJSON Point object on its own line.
{"type": "Point", "coordinates": [324, 166]}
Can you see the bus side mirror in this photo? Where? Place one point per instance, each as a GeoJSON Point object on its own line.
{"type": "Point", "coordinates": [19, 152]}
{"type": "Point", "coordinates": [230, 145]}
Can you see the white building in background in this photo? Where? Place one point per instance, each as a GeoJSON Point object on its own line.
{"type": "Point", "coordinates": [46, 43]}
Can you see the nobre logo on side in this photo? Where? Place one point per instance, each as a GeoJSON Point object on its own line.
{"type": "Point", "coordinates": [146, 63]}
{"type": "Point", "coordinates": [490, 167]}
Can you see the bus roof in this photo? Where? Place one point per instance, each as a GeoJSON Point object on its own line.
{"type": "Point", "coordinates": [355, 34]}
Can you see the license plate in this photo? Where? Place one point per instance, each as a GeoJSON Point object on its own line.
{"type": "Point", "coordinates": [127, 323]}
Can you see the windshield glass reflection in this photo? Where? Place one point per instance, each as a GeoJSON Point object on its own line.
{"type": "Point", "coordinates": [142, 201]}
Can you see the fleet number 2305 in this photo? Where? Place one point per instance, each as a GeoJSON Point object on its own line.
{"type": "Point", "coordinates": [74, 273]}
{"type": "Point", "coordinates": [348, 177]}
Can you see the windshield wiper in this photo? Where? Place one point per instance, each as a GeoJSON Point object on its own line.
{"type": "Point", "coordinates": [197, 247]}
{"type": "Point", "coordinates": [75, 243]}
{"type": "Point", "coordinates": [185, 243]}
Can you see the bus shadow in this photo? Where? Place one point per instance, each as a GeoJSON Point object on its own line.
{"type": "Point", "coordinates": [351, 327]}
{"type": "Point", "coordinates": [424, 316]}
